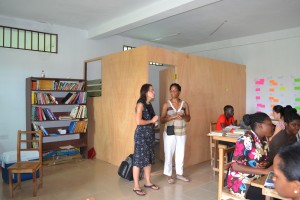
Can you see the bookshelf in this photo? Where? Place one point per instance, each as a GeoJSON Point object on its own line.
{"type": "Point", "coordinates": [57, 106]}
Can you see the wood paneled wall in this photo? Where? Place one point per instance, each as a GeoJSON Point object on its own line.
{"type": "Point", "coordinates": [207, 85]}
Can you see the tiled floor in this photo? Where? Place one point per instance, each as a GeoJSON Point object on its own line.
{"type": "Point", "coordinates": [81, 179]}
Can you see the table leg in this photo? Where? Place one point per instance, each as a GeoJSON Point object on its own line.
{"type": "Point", "coordinates": [216, 156]}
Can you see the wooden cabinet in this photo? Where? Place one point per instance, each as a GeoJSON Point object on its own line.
{"type": "Point", "coordinates": [58, 107]}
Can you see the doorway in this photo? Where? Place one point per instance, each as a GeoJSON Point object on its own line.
{"type": "Point", "coordinates": [160, 76]}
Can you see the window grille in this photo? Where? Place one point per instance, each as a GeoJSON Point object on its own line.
{"type": "Point", "coordinates": [17, 38]}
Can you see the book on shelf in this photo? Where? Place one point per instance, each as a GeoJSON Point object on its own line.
{"type": "Point", "coordinates": [64, 118]}
{"type": "Point", "coordinates": [37, 127]}
{"type": "Point", "coordinates": [66, 97]}
{"type": "Point", "coordinates": [45, 84]}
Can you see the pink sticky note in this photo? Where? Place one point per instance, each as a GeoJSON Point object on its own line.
{"type": "Point", "coordinates": [260, 81]}
{"type": "Point", "coordinates": [257, 97]}
{"type": "Point", "coordinates": [257, 89]}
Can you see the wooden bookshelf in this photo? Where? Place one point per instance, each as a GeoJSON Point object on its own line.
{"type": "Point", "coordinates": [48, 100]}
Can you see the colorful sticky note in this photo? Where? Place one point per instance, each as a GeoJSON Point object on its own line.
{"type": "Point", "coordinates": [276, 100]}
{"type": "Point", "coordinates": [273, 82]}
{"type": "Point", "coordinates": [271, 89]}
{"type": "Point", "coordinates": [297, 79]}
{"type": "Point", "coordinates": [297, 107]}
{"type": "Point", "coordinates": [257, 89]}
{"type": "Point", "coordinates": [297, 88]}
{"type": "Point", "coordinates": [260, 81]}
{"type": "Point", "coordinates": [257, 97]}
{"type": "Point", "coordinates": [260, 105]}
{"type": "Point", "coordinates": [297, 99]}
{"type": "Point", "coordinates": [282, 88]}
{"type": "Point", "coordinates": [271, 98]}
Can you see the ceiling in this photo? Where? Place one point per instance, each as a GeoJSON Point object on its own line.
{"type": "Point", "coordinates": [177, 23]}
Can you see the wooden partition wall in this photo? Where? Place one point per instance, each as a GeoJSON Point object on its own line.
{"type": "Point", "coordinates": [207, 85]}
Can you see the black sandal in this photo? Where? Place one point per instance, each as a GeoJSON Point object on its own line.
{"type": "Point", "coordinates": [153, 187]}
{"type": "Point", "coordinates": [139, 192]}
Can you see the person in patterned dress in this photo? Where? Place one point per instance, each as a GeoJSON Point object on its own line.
{"type": "Point", "coordinates": [144, 139]}
{"type": "Point", "coordinates": [250, 157]}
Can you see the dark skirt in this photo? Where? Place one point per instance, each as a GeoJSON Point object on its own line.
{"type": "Point", "coordinates": [144, 140]}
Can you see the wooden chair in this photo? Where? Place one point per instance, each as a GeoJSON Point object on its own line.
{"type": "Point", "coordinates": [212, 127]}
{"type": "Point", "coordinates": [223, 192]}
{"type": "Point", "coordinates": [32, 142]}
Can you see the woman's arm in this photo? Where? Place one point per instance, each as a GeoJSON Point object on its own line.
{"type": "Point", "coordinates": [187, 116]}
{"type": "Point", "coordinates": [138, 117]}
{"type": "Point", "coordinates": [250, 170]}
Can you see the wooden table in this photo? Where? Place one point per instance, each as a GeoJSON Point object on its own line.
{"type": "Point", "coordinates": [269, 193]}
{"type": "Point", "coordinates": [216, 139]}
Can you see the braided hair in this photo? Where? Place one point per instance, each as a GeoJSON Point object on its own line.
{"type": "Point", "coordinates": [253, 119]}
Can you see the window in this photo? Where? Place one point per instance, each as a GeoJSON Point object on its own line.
{"type": "Point", "coordinates": [28, 40]}
{"type": "Point", "coordinates": [126, 48]}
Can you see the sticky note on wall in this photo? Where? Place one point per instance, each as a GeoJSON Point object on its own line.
{"type": "Point", "coordinates": [260, 81]}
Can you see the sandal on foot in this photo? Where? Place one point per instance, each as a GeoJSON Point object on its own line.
{"type": "Point", "coordinates": [171, 181]}
{"type": "Point", "coordinates": [183, 178]}
{"type": "Point", "coordinates": [153, 187]}
{"type": "Point", "coordinates": [139, 192]}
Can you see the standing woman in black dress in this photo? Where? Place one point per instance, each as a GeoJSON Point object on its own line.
{"type": "Point", "coordinates": [144, 139]}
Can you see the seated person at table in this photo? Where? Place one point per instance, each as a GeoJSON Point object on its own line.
{"type": "Point", "coordinates": [286, 172]}
{"type": "Point", "coordinates": [249, 157]}
{"type": "Point", "coordinates": [225, 119]}
{"type": "Point", "coordinates": [286, 136]}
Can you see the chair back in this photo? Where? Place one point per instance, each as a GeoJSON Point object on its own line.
{"type": "Point", "coordinates": [29, 141]}
{"type": "Point", "coordinates": [223, 167]}
{"type": "Point", "coordinates": [212, 126]}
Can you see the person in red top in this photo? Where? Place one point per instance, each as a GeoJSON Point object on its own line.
{"type": "Point", "coordinates": [225, 119]}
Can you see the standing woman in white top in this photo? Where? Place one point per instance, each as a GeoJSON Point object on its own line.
{"type": "Point", "coordinates": [175, 112]}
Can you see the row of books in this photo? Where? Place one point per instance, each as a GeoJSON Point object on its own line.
{"type": "Point", "coordinates": [56, 85]}
{"type": "Point", "coordinates": [42, 114]}
{"type": "Point", "coordinates": [79, 112]}
{"type": "Point", "coordinates": [78, 126]}
{"type": "Point", "coordinates": [37, 127]}
{"type": "Point", "coordinates": [42, 98]}
{"type": "Point", "coordinates": [74, 98]}
{"type": "Point", "coordinates": [63, 85]}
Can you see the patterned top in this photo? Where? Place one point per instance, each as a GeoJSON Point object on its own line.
{"type": "Point", "coordinates": [249, 151]}
{"type": "Point", "coordinates": [179, 124]}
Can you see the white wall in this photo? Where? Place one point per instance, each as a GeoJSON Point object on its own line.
{"type": "Point", "coordinates": [270, 56]}
{"type": "Point", "coordinates": [17, 65]}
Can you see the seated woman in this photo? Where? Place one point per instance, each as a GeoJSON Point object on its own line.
{"type": "Point", "coordinates": [278, 112]}
{"type": "Point", "coordinates": [287, 136]}
{"type": "Point", "coordinates": [286, 172]}
{"type": "Point", "coordinates": [249, 157]}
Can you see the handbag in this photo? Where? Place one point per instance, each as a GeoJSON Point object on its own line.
{"type": "Point", "coordinates": [170, 130]}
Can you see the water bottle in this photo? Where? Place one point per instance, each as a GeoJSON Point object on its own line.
{"type": "Point", "coordinates": [43, 74]}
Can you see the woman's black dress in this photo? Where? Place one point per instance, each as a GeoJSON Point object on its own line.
{"type": "Point", "coordinates": [144, 139]}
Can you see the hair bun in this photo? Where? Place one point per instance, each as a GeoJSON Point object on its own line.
{"type": "Point", "coordinates": [247, 119]}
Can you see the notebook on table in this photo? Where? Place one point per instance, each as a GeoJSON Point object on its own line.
{"type": "Point", "coordinates": [269, 183]}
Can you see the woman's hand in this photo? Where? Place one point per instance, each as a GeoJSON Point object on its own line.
{"type": "Point", "coordinates": [155, 119]}
{"type": "Point", "coordinates": [262, 164]}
